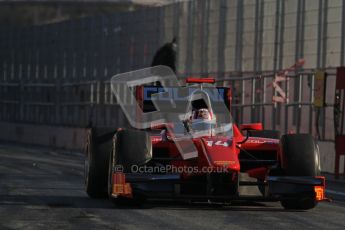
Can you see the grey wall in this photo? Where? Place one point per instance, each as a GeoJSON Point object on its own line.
{"type": "Point", "coordinates": [214, 36]}
{"type": "Point", "coordinates": [44, 135]}
{"type": "Point", "coordinates": [257, 35]}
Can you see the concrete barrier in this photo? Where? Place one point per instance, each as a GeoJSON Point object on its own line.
{"type": "Point", "coordinates": [327, 155]}
{"type": "Point", "coordinates": [74, 139]}
{"type": "Point", "coordinates": [44, 135]}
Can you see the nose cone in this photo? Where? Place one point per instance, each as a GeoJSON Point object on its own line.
{"type": "Point", "coordinates": [221, 152]}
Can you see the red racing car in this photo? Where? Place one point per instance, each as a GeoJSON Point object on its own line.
{"type": "Point", "coordinates": [200, 156]}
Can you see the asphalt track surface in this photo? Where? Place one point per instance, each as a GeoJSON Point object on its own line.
{"type": "Point", "coordinates": [43, 189]}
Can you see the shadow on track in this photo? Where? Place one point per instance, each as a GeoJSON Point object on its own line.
{"type": "Point", "coordinates": [54, 201]}
{"type": "Point", "coordinates": [86, 202]}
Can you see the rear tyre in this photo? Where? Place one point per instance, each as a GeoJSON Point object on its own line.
{"type": "Point", "coordinates": [96, 161]}
{"type": "Point", "coordinates": [130, 147]}
{"type": "Point", "coordinates": [300, 157]}
{"type": "Point", "coordinates": [304, 203]}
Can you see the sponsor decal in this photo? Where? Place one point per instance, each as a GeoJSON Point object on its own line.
{"type": "Point", "coordinates": [166, 94]}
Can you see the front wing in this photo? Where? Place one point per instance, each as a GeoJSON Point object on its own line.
{"type": "Point", "coordinates": [169, 186]}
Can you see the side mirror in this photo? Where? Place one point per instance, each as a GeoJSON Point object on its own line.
{"type": "Point", "coordinates": [251, 126]}
{"type": "Point", "coordinates": [248, 128]}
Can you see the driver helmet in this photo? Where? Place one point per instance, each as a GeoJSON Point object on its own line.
{"type": "Point", "coordinates": [202, 114]}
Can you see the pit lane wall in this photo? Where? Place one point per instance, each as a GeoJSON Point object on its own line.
{"type": "Point", "coordinates": [72, 138]}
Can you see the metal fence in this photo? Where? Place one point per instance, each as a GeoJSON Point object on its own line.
{"type": "Point", "coordinates": [78, 104]}
{"type": "Point", "coordinates": [253, 102]}
{"type": "Point", "coordinates": [56, 73]}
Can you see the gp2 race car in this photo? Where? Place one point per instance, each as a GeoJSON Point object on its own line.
{"type": "Point", "coordinates": [131, 165]}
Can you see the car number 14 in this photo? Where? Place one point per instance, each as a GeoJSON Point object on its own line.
{"type": "Point", "coordinates": [219, 143]}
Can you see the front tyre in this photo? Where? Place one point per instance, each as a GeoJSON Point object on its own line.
{"type": "Point", "coordinates": [130, 147]}
{"type": "Point", "coordinates": [95, 165]}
